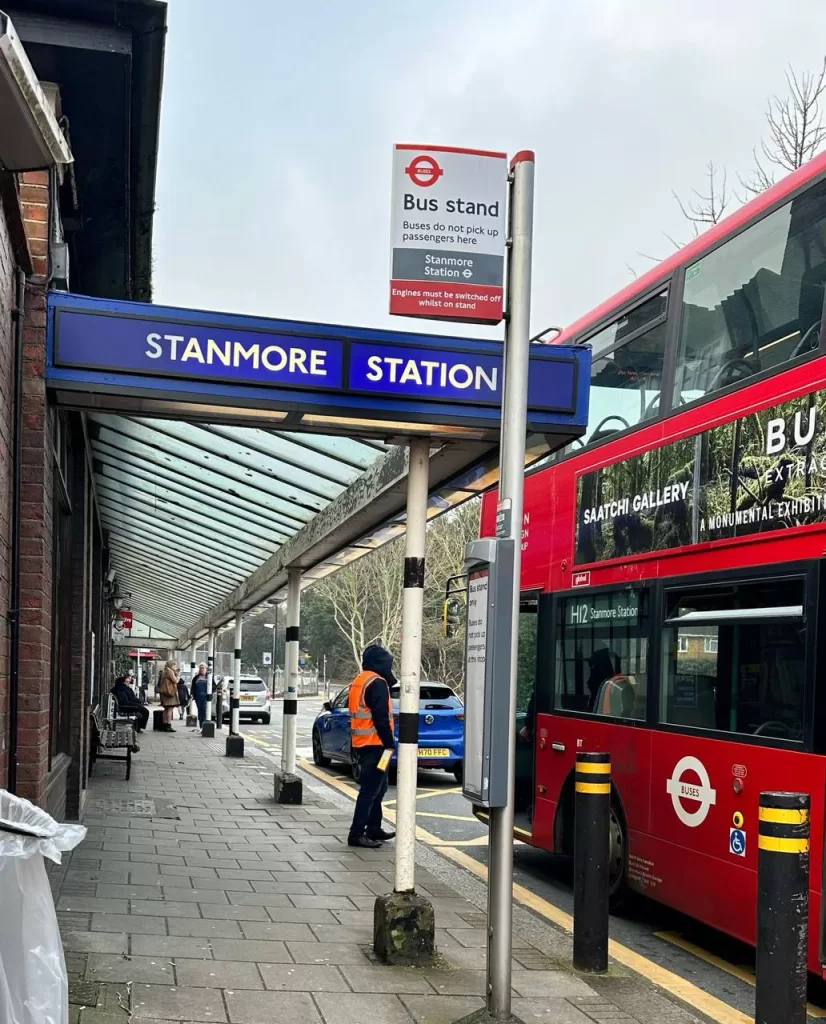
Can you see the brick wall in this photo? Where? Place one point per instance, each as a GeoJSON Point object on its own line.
{"type": "Point", "coordinates": [36, 542]}
{"type": "Point", "coordinates": [7, 297]}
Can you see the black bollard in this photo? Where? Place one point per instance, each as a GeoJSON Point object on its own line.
{"type": "Point", "coordinates": [782, 908]}
{"type": "Point", "coordinates": [592, 806]}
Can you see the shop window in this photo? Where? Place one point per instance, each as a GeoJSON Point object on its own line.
{"type": "Point", "coordinates": [756, 302]}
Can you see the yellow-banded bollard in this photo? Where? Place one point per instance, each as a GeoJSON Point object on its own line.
{"type": "Point", "coordinates": [782, 908]}
{"type": "Point", "coordinates": [592, 812]}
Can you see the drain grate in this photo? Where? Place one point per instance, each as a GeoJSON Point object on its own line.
{"type": "Point", "coordinates": [132, 808]}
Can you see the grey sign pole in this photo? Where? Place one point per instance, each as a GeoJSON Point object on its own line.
{"type": "Point", "coordinates": [509, 525]}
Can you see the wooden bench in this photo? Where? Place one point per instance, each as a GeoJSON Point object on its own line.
{"type": "Point", "coordinates": [107, 737]}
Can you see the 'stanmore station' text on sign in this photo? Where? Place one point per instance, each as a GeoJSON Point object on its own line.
{"type": "Point", "coordinates": [300, 366]}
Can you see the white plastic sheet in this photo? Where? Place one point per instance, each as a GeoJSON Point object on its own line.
{"type": "Point", "coordinates": [33, 980]}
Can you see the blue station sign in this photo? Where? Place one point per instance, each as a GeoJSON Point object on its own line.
{"type": "Point", "coordinates": [390, 377]}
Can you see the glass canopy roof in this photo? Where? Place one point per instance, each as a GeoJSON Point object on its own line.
{"type": "Point", "coordinates": [192, 509]}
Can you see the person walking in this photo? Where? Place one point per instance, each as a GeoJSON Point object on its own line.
{"type": "Point", "coordinates": [183, 698]}
{"type": "Point", "coordinates": [371, 733]}
{"type": "Point", "coordinates": [199, 692]}
{"type": "Point", "coordinates": [169, 693]}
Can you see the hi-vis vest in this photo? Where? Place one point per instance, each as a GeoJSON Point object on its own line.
{"type": "Point", "coordinates": [362, 727]}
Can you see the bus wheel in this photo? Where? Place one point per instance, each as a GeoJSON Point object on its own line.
{"type": "Point", "coordinates": [618, 857]}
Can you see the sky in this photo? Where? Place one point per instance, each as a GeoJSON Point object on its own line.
{"type": "Point", "coordinates": [278, 122]}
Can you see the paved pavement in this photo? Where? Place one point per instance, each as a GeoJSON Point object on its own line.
{"type": "Point", "coordinates": [195, 898]}
{"type": "Point", "coordinates": [718, 964]}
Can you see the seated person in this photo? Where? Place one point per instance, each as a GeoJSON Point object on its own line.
{"type": "Point", "coordinates": [129, 703]}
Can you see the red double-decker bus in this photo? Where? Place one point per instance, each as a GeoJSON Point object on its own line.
{"type": "Point", "coordinates": [674, 592]}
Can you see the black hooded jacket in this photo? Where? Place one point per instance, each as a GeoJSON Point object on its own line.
{"type": "Point", "coordinates": [377, 693]}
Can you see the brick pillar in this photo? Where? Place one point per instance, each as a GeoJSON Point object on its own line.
{"type": "Point", "coordinates": [36, 542]}
{"type": "Point", "coordinates": [7, 342]}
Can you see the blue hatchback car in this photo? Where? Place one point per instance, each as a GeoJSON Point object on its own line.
{"type": "Point", "coordinates": [441, 730]}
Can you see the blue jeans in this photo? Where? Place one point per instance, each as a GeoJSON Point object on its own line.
{"type": "Point", "coordinates": [367, 816]}
{"type": "Point", "coordinates": [201, 702]}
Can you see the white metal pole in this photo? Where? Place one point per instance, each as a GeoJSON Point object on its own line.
{"type": "Point", "coordinates": [193, 655]}
{"type": "Point", "coordinates": [138, 668]}
{"type": "Point", "coordinates": [210, 672]}
{"type": "Point", "coordinates": [511, 483]}
{"type": "Point", "coordinates": [235, 700]}
{"type": "Point", "coordinates": [291, 647]}
{"type": "Point", "coordinates": [411, 664]}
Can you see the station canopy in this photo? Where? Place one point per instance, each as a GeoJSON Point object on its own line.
{"type": "Point", "coordinates": [228, 450]}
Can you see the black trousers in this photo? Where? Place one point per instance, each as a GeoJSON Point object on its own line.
{"type": "Point", "coordinates": [368, 814]}
{"type": "Point", "coordinates": [142, 718]}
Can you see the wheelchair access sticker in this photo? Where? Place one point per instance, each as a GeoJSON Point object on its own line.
{"type": "Point", "coordinates": [737, 842]}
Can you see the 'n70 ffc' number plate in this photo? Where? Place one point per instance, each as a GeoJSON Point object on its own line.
{"type": "Point", "coordinates": [434, 752]}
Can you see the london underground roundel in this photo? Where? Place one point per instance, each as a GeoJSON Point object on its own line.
{"type": "Point", "coordinates": [691, 798]}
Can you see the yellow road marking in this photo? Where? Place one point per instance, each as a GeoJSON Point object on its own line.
{"type": "Point", "coordinates": [710, 1005]}
{"type": "Point", "coordinates": [743, 973]}
{"type": "Point", "coordinates": [389, 813]}
{"type": "Point", "coordinates": [451, 817]}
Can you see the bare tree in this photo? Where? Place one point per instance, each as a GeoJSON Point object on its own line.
{"type": "Point", "coordinates": [365, 597]}
{"type": "Point", "coordinates": [705, 208]}
{"type": "Point", "coordinates": [796, 129]}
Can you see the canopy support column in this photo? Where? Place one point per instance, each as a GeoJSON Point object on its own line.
{"type": "Point", "coordinates": [288, 786]}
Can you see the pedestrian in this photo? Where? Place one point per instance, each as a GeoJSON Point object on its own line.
{"type": "Point", "coordinates": [127, 702]}
{"type": "Point", "coordinates": [183, 698]}
{"type": "Point", "coordinates": [371, 734]}
{"type": "Point", "coordinates": [199, 692]}
{"type": "Point", "coordinates": [169, 693]}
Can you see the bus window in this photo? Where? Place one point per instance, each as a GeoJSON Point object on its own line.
{"type": "Point", "coordinates": [626, 370]}
{"type": "Point", "coordinates": [733, 658]}
{"type": "Point", "coordinates": [602, 653]}
{"type": "Point", "coordinates": [756, 302]}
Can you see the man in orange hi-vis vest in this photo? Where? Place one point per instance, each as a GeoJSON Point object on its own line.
{"type": "Point", "coordinates": [371, 733]}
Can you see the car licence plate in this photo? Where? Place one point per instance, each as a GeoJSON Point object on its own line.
{"type": "Point", "coordinates": [247, 696]}
{"type": "Point", "coordinates": [434, 752]}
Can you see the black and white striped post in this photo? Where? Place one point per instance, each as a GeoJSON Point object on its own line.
{"type": "Point", "coordinates": [404, 929]}
{"type": "Point", "coordinates": [288, 788]}
{"type": "Point", "coordinates": [235, 741]}
{"type": "Point", "coordinates": [208, 728]}
{"type": "Point", "coordinates": [193, 655]}
{"type": "Point", "coordinates": [782, 908]}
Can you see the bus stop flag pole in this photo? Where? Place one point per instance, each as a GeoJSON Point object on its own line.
{"type": "Point", "coordinates": [509, 524]}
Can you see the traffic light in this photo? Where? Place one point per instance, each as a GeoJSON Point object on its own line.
{"type": "Point", "coordinates": [451, 616]}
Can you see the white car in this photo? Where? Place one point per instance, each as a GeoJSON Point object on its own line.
{"type": "Point", "coordinates": [255, 699]}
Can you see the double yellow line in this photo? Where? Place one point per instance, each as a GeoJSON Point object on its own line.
{"type": "Point", "coordinates": [708, 1004]}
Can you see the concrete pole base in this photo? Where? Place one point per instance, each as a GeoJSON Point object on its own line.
{"type": "Point", "coordinates": [287, 788]}
{"type": "Point", "coordinates": [483, 1017]}
{"type": "Point", "coordinates": [235, 746]}
{"type": "Point", "coordinates": [208, 730]}
{"type": "Point", "coordinates": [404, 929]}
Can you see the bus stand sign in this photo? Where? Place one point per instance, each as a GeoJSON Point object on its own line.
{"type": "Point", "coordinates": [448, 231]}
{"type": "Point", "coordinates": [487, 658]}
